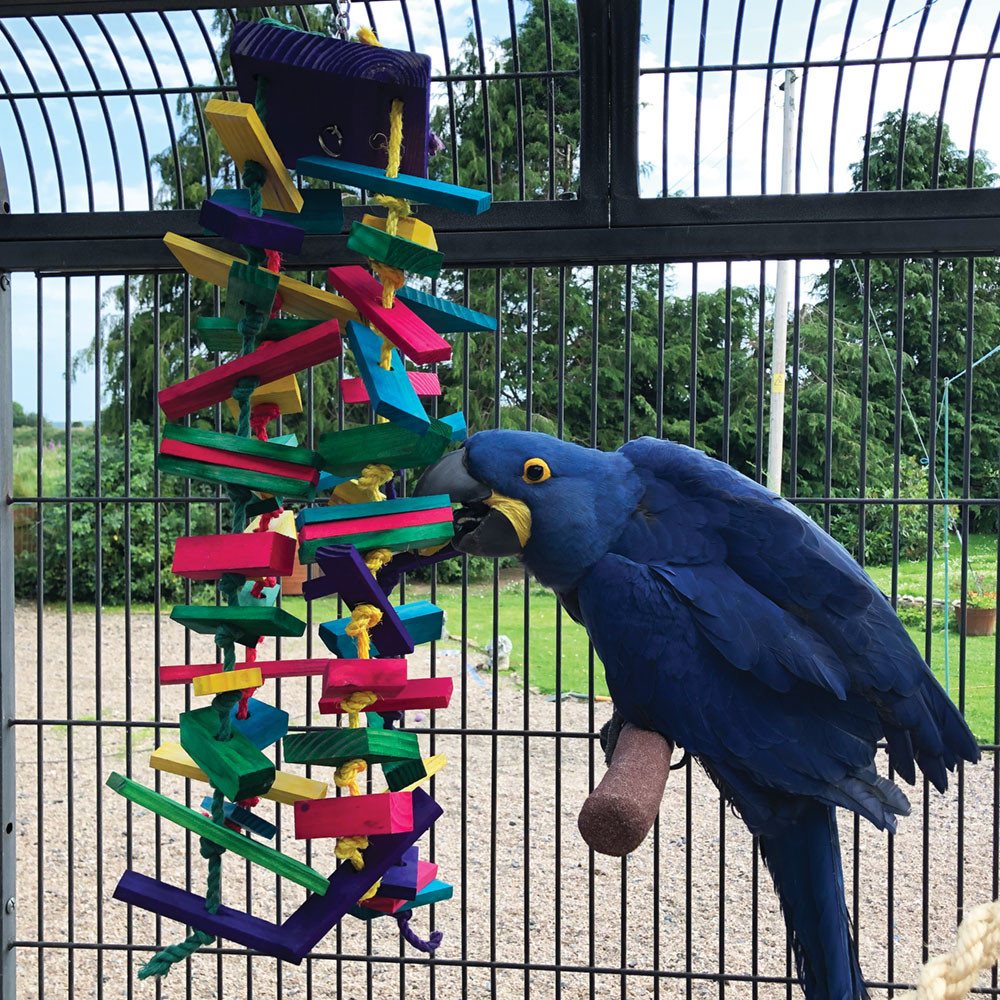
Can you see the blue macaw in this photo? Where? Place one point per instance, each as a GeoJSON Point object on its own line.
{"type": "Point", "coordinates": [732, 624]}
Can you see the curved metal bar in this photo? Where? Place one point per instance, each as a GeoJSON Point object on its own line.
{"type": "Point", "coordinates": [699, 89]}
{"type": "Point", "coordinates": [25, 145]}
{"type": "Point", "coordinates": [939, 131]}
{"type": "Point", "coordinates": [409, 26]}
{"type": "Point", "coordinates": [835, 116]}
{"type": "Point", "coordinates": [737, 38]}
{"type": "Point", "coordinates": [768, 83]}
{"type": "Point", "coordinates": [487, 124]}
{"type": "Point", "coordinates": [901, 155]}
{"type": "Point", "coordinates": [810, 39]}
{"type": "Point", "coordinates": [971, 166]}
{"type": "Point", "coordinates": [550, 98]}
{"type": "Point", "coordinates": [452, 123]}
{"type": "Point", "coordinates": [866, 155]}
{"type": "Point", "coordinates": [219, 75]}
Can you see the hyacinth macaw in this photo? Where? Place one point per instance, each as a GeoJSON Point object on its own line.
{"type": "Point", "coordinates": [732, 624]}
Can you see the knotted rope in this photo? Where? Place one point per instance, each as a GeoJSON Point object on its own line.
{"type": "Point", "coordinates": [346, 776]}
{"type": "Point", "coordinates": [363, 618]}
{"type": "Point", "coordinates": [260, 416]}
{"type": "Point", "coordinates": [428, 946]}
{"type": "Point", "coordinates": [376, 559]}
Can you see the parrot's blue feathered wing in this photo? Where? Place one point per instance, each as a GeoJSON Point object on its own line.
{"type": "Point", "coordinates": [728, 621]}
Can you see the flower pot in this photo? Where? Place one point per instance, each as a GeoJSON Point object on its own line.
{"type": "Point", "coordinates": [980, 621]}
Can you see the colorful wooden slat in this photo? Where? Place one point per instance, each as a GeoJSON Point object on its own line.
{"type": "Point", "coordinates": [218, 333]}
{"type": "Point", "coordinates": [425, 384]}
{"type": "Point", "coordinates": [419, 692]}
{"type": "Point", "coordinates": [396, 251]}
{"type": "Point", "coordinates": [297, 297]}
{"type": "Point", "coordinates": [284, 392]}
{"type": "Point", "coordinates": [431, 767]}
{"type": "Point", "coordinates": [191, 819]}
{"type": "Point", "coordinates": [228, 680]}
{"type": "Point", "coordinates": [316, 82]}
{"type": "Point", "coordinates": [333, 747]}
{"type": "Point", "coordinates": [250, 821]}
{"type": "Point", "coordinates": [404, 328]}
{"type": "Point", "coordinates": [185, 673]}
{"type": "Point", "coordinates": [383, 677]}
{"type": "Point", "coordinates": [450, 196]}
{"type": "Point", "coordinates": [422, 620]}
{"type": "Point", "coordinates": [391, 393]}
{"type": "Point", "coordinates": [245, 138]}
{"type": "Point", "coordinates": [411, 228]}
{"type": "Point", "coordinates": [247, 624]}
{"type": "Point", "coordinates": [238, 225]}
{"type": "Point", "coordinates": [250, 447]}
{"type": "Point", "coordinates": [402, 774]}
{"type": "Point", "coordinates": [346, 512]}
{"type": "Point", "coordinates": [189, 908]}
{"type": "Point", "coordinates": [251, 287]}
{"type": "Point", "coordinates": [443, 315]}
{"type": "Point", "coordinates": [459, 430]}
{"type": "Point", "coordinates": [207, 557]}
{"type": "Point", "coordinates": [346, 453]}
{"type": "Point", "coordinates": [435, 892]}
{"type": "Point", "coordinates": [264, 724]}
{"type": "Point", "coordinates": [274, 359]}
{"type": "Point", "coordinates": [354, 816]}
{"type": "Point", "coordinates": [401, 883]}
{"type": "Point", "coordinates": [396, 539]}
{"type": "Point", "coordinates": [209, 472]}
{"type": "Point", "coordinates": [235, 766]}
{"type": "Point", "coordinates": [303, 930]}
{"type": "Point", "coordinates": [322, 213]}
{"type": "Point", "coordinates": [340, 532]}
{"type": "Point", "coordinates": [287, 788]}
{"type": "Point", "coordinates": [275, 467]}
{"type": "Point", "coordinates": [285, 440]}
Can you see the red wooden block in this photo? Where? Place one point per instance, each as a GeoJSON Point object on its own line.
{"type": "Point", "coordinates": [272, 360]}
{"type": "Point", "coordinates": [426, 873]}
{"type": "Point", "coordinates": [185, 673]}
{"type": "Point", "coordinates": [421, 692]}
{"type": "Point", "coordinates": [383, 677]}
{"type": "Point", "coordinates": [384, 522]}
{"type": "Point", "coordinates": [425, 385]}
{"type": "Point", "coordinates": [234, 460]}
{"type": "Point", "coordinates": [259, 553]}
{"type": "Point", "coordinates": [354, 815]}
{"type": "Point", "coordinates": [404, 328]}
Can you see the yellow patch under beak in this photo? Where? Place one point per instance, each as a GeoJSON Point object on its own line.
{"type": "Point", "coordinates": [515, 511]}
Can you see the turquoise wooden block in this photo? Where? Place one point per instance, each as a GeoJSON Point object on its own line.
{"type": "Point", "coordinates": [352, 511]}
{"type": "Point", "coordinates": [290, 440]}
{"type": "Point", "coordinates": [389, 389]}
{"type": "Point", "coordinates": [268, 596]}
{"type": "Point", "coordinates": [327, 481]}
{"type": "Point", "coordinates": [433, 892]}
{"type": "Point", "coordinates": [264, 724]}
{"type": "Point", "coordinates": [423, 620]}
{"type": "Point", "coordinates": [458, 199]}
{"type": "Point", "coordinates": [243, 817]}
{"type": "Point", "coordinates": [321, 213]}
{"type": "Point", "coordinates": [459, 430]}
{"type": "Point", "coordinates": [443, 315]}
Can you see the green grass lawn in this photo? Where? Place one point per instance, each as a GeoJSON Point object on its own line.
{"type": "Point", "coordinates": [912, 576]}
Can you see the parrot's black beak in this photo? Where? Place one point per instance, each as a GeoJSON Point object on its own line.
{"type": "Point", "coordinates": [481, 529]}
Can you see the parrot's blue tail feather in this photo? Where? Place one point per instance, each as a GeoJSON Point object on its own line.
{"type": "Point", "coordinates": [804, 861]}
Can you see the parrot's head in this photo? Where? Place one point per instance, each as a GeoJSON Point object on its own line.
{"type": "Point", "coordinates": [558, 506]}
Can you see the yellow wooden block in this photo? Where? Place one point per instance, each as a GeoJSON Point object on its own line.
{"type": "Point", "coordinates": [431, 765]}
{"type": "Point", "coordinates": [228, 680]}
{"type": "Point", "coordinates": [287, 788]}
{"type": "Point", "coordinates": [282, 391]}
{"type": "Point", "coordinates": [297, 297]}
{"type": "Point", "coordinates": [284, 524]}
{"type": "Point", "coordinates": [245, 138]}
{"type": "Point", "coordinates": [409, 228]}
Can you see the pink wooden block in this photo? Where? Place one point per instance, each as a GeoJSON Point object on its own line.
{"type": "Point", "coordinates": [354, 815]}
{"type": "Point", "coordinates": [235, 460]}
{"type": "Point", "coordinates": [185, 673]}
{"type": "Point", "coordinates": [272, 360]}
{"type": "Point", "coordinates": [426, 873]}
{"type": "Point", "coordinates": [381, 522]}
{"type": "Point", "coordinates": [404, 328]}
{"type": "Point", "coordinates": [425, 384]}
{"type": "Point", "coordinates": [383, 677]}
{"type": "Point", "coordinates": [257, 553]}
{"type": "Point", "coordinates": [421, 692]}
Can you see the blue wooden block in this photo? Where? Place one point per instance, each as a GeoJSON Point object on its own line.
{"type": "Point", "coordinates": [286, 439]}
{"type": "Point", "coordinates": [243, 817]}
{"type": "Point", "coordinates": [458, 199]}
{"type": "Point", "coordinates": [268, 596]}
{"type": "Point", "coordinates": [433, 892]}
{"type": "Point", "coordinates": [390, 391]}
{"type": "Point", "coordinates": [443, 315]}
{"type": "Point", "coordinates": [240, 226]}
{"type": "Point", "coordinates": [459, 430]}
{"type": "Point", "coordinates": [327, 481]}
{"type": "Point", "coordinates": [421, 619]}
{"type": "Point", "coordinates": [264, 724]}
{"type": "Point", "coordinates": [350, 511]}
{"type": "Point", "coordinates": [321, 214]}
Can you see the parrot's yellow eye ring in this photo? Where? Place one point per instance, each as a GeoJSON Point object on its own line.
{"type": "Point", "coordinates": [536, 470]}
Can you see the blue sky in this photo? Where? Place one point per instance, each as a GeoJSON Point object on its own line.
{"type": "Point", "coordinates": [180, 31]}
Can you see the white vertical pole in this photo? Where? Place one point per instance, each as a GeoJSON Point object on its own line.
{"type": "Point", "coordinates": [775, 440]}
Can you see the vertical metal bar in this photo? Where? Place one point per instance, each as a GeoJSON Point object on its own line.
{"type": "Point", "coordinates": [70, 873]}
{"type": "Point", "coordinates": [40, 645]}
{"type": "Point", "coordinates": [622, 34]}
{"type": "Point", "coordinates": [98, 640]}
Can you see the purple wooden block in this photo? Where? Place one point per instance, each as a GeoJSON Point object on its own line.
{"type": "Point", "coordinates": [345, 573]}
{"type": "Point", "coordinates": [189, 908]}
{"type": "Point", "coordinates": [316, 85]}
{"type": "Point", "coordinates": [314, 918]}
{"type": "Point", "coordinates": [238, 225]}
{"type": "Point", "coordinates": [400, 880]}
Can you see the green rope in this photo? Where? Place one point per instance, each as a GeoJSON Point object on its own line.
{"type": "Point", "coordinates": [161, 963]}
{"type": "Point", "coordinates": [249, 329]}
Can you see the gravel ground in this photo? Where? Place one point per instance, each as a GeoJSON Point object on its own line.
{"type": "Point", "coordinates": [526, 888]}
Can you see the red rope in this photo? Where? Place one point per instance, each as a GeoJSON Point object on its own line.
{"type": "Point", "coordinates": [274, 264]}
{"type": "Point", "coordinates": [259, 417]}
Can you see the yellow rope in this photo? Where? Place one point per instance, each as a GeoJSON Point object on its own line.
{"type": "Point", "coordinates": [371, 892]}
{"type": "Point", "coordinates": [952, 976]}
{"type": "Point", "coordinates": [399, 208]}
{"type": "Point", "coordinates": [363, 618]}
{"type": "Point", "coordinates": [377, 558]}
{"type": "Point", "coordinates": [346, 776]}
{"type": "Point", "coordinates": [391, 278]}
{"type": "Point", "coordinates": [350, 848]}
{"type": "Point", "coordinates": [356, 703]}
{"type": "Point", "coordinates": [364, 489]}
{"type": "Point", "coordinates": [395, 137]}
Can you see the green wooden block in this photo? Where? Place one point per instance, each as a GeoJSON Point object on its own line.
{"type": "Point", "coordinates": [235, 766]}
{"type": "Point", "coordinates": [333, 747]}
{"type": "Point", "coordinates": [252, 850]}
{"type": "Point", "coordinates": [321, 211]}
{"type": "Point", "coordinates": [419, 536]}
{"type": "Point", "coordinates": [249, 286]}
{"type": "Point", "coordinates": [248, 624]}
{"type": "Point", "coordinates": [243, 446]}
{"type": "Point", "coordinates": [401, 773]}
{"type": "Point", "coordinates": [346, 453]}
{"type": "Point", "coordinates": [283, 486]}
{"type": "Point", "coordinates": [219, 333]}
{"type": "Point", "coordinates": [396, 251]}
